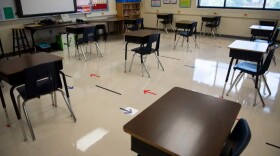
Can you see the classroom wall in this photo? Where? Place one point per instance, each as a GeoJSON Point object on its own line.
{"type": "Point", "coordinates": [234, 22]}
{"type": "Point", "coordinates": [45, 35]}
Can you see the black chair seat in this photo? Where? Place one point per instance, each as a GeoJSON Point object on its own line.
{"type": "Point", "coordinates": [211, 25]}
{"type": "Point", "coordinates": [143, 50]}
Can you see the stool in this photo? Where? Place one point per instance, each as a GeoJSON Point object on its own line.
{"type": "Point", "coordinates": [2, 51]}
{"type": "Point", "coordinates": [19, 41]}
{"type": "Point", "coordinates": [103, 28]}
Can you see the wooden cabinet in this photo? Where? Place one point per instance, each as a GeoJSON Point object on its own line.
{"type": "Point", "coordinates": [128, 9]}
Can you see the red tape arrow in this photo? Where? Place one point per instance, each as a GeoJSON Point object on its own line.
{"type": "Point", "coordinates": [148, 91]}
{"type": "Point", "coordinates": [91, 75]}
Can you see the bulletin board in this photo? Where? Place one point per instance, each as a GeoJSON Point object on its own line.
{"type": "Point", "coordinates": [7, 10]}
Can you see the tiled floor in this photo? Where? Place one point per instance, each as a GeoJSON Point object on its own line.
{"type": "Point", "coordinates": [98, 112]}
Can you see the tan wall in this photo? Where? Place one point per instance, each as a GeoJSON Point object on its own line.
{"type": "Point", "coordinates": [234, 21]}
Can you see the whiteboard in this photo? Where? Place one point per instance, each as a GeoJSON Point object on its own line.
{"type": "Point", "coordinates": [27, 8]}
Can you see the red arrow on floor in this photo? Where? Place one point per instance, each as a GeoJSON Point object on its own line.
{"type": "Point", "coordinates": [91, 75]}
{"type": "Point", "coordinates": [148, 91]}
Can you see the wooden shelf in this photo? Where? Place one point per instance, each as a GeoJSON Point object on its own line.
{"type": "Point", "coordinates": [128, 9]}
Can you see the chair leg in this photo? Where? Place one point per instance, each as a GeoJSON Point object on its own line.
{"type": "Point", "coordinates": [68, 105]}
{"type": "Point", "coordinates": [265, 82]}
{"type": "Point", "coordinates": [98, 48]}
{"type": "Point", "coordinates": [232, 76]}
{"type": "Point", "coordinates": [55, 99]}
{"type": "Point", "coordinates": [171, 27]}
{"type": "Point", "coordinates": [159, 62]}
{"type": "Point", "coordinates": [18, 102]}
{"type": "Point", "coordinates": [144, 65]}
{"type": "Point", "coordinates": [236, 79]}
{"type": "Point", "coordinates": [257, 91]}
{"type": "Point", "coordinates": [83, 53]}
{"type": "Point", "coordinates": [196, 45]}
{"type": "Point", "coordinates": [175, 45]}
{"type": "Point", "coordinates": [274, 60]}
{"type": "Point", "coordinates": [28, 121]}
{"type": "Point", "coordinates": [183, 42]}
{"type": "Point", "coordinates": [131, 62]}
{"type": "Point", "coordinates": [188, 45]}
{"type": "Point", "coordinates": [239, 79]}
{"type": "Point", "coordinates": [22, 130]}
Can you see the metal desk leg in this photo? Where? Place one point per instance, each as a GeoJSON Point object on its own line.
{"type": "Point", "coordinates": [65, 87]}
{"type": "Point", "coordinates": [125, 56]}
{"type": "Point", "coordinates": [8, 124]}
{"type": "Point", "coordinates": [229, 68]}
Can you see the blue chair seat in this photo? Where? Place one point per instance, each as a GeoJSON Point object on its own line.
{"type": "Point", "coordinates": [247, 67]}
{"type": "Point", "coordinates": [185, 33]}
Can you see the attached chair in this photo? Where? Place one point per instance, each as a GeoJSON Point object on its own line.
{"type": "Point", "coordinates": [188, 31]}
{"type": "Point", "coordinates": [89, 35]}
{"type": "Point", "coordinates": [213, 26]}
{"type": "Point", "coordinates": [272, 42]}
{"type": "Point", "coordinates": [134, 25]}
{"type": "Point", "coordinates": [252, 69]}
{"type": "Point", "coordinates": [40, 80]}
{"type": "Point", "coordinates": [146, 50]}
{"type": "Point", "coordinates": [238, 139]}
{"type": "Point", "coordinates": [167, 21]}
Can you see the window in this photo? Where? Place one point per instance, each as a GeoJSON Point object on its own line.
{"type": "Point", "coordinates": [245, 3]}
{"type": "Point", "coordinates": [212, 3]}
{"type": "Point", "coordinates": [272, 4]}
{"type": "Point", "coordinates": [252, 4]}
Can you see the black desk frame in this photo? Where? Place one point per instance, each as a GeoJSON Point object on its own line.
{"type": "Point", "coordinates": [248, 56]}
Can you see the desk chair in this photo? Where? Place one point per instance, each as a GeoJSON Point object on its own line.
{"type": "Point", "coordinates": [238, 139]}
{"type": "Point", "coordinates": [272, 42]}
{"type": "Point", "coordinates": [103, 28]}
{"type": "Point", "coordinates": [251, 68]}
{"type": "Point", "coordinates": [89, 36]}
{"type": "Point", "coordinates": [188, 31]}
{"type": "Point", "coordinates": [213, 26]}
{"type": "Point", "coordinates": [134, 25]}
{"type": "Point", "coordinates": [265, 35]}
{"type": "Point", "coordinates": [40, 80]}
{"type": "Point", "coordinates": [167, 21]}
{"type": "Point", "coordinates": [146, 49]}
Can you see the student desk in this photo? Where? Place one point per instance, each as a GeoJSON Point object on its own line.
{"type": "Point", "coordinates": [76, 30]}
{"type": "Point", "coordinates": [207, 19]}
{"type": "Point", "coordinates": [12, 72]}
{"type": "Point", "coordinates": [137, 37]}
{"type": "Point", "coordinates": [118, 22]}
{"type": "Point", "coordinates": [36, 27]}
{"type": "Point", "coordinates": [183, 122]}
{"type": "Point", "coordinates": [259, 30]}
{"type": "Point", "coordinates": [184, 24]}
{"type": "Point", "coordinates": [246, 50]}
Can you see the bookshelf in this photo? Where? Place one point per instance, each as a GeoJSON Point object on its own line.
{"type": "Point", "coordinates": [128, 9]}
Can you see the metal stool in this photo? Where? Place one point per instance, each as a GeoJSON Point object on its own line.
{"type": "Point", "coordinates": [20, 42]}
{"type": "Point", "coordinates": [2, 51]}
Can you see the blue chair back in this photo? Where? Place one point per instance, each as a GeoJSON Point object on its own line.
{"type": "Point", "coordinates": [89, 34]}
{"type": "Point", "coordinates": [267, 62]}
{"type": "Point", "coordinates": [148, 49]}
{"type": "Point", "coordinates": [238, 139]}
